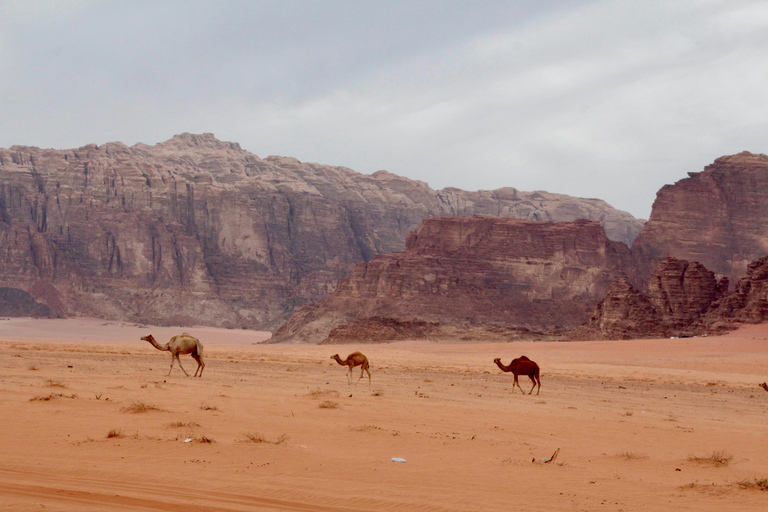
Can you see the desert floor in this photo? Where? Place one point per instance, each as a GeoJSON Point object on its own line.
{"type": "Point", "coordinates": [90, 422]}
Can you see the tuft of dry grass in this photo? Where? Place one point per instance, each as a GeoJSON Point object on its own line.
{"type": "Point", "coordinates": [632, 455]}
{"type": "Point", "coordinates": [54, 384]}
{"type": "Point", "coordinates": [51, 396]}
{"type": "Point", "coordinates": [204, 440]}
{"type": "Point", "coordinates": [760, 484]}
{"type": "Point", "coordinates": [323, 392]}
{"type": "Point", "coordinates": [137, 407]}
{"type": "Point", "coordinates": [183, 424]}
{"type": "Point", "coordinates": [256, 437]}
{"type": "Point", "coordinates": [206, 407]}
{"type": "Point", "coordinates": [717, 458]}
{"type": "Point", "coordinates": [328, 405]}
{"type": "Point", "coordinates": [115, 432]}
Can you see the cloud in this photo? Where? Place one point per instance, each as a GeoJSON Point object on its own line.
{"type": "Point", "coordinates": [601, 99]}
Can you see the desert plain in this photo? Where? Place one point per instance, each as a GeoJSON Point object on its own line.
{"type": "Point", "coordinates": [91, 422]}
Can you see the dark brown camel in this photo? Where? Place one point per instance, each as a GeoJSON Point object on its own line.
{"type": "Point", "coordinates": [522, 366]}
{"type": "Point", "coordinates": [352, 360]}
{"type": "Point", "coordinates": [181, 344]}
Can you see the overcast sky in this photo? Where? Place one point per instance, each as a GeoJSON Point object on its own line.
{"type": "Point", "coordinates": [609, 99]}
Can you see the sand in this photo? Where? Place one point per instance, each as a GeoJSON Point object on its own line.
{"type": "Point", "coordinates": [91, 422]}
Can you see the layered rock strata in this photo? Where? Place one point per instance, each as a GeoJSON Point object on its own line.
{"type": "Point", "coordinates": [198, 231]}
{"type": "Point", "coordinates": [470, 272]}
{"type": "Point", "coordinates": [716, 217]}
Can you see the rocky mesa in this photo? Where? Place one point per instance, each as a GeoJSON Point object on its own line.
{"type": "Point", "coordinates": [196, 230]}
{"type": "Point", "coordinates": [459, 274]}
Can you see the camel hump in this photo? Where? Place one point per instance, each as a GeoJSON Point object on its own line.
{"type": "Point", "coordinates": [524, 357]}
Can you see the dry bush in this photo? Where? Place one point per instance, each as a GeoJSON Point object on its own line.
{"type": "Point", "coordinates": [328, 405]}
{"type": "Point", "coordinates": [365, 428]}
{"type": "Point", "coordinates": [137, 407]}
{"type": "Point", "coordinates": [206, 407]}
{"type": "Point", "coordinates": [204, 440]}
{"type": "Point", "coordinates": [717, 458]}
{"type": "Point", "coordinates": [256, 437]}
{"type": "Point", "coordinates": [54, 384]}
{"type": "Point", "coordinates": [51, 396]}
{"type": "Point", "coordinates": [760, 484]}
{"type": "Point", "coordinates": [322, 392]}
{"type": "Point", "coordinates": [182, 424]}
{"type": "Point", "coordinates": [632, 455]}
{"type": "Point", "coordinates": [115, 432]}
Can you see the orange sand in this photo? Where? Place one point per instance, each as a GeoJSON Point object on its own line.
{"type": "Point", "coordinates": [628, 417]}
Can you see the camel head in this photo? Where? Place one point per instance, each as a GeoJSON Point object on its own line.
{"type": "Point", "coordinates": [335, 356]}
{"type": "Point", "coordinates": [148, 337]}
{"type": "Point", "coordinates": [497, 360]}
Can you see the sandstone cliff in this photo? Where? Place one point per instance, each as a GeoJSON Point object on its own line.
{"type": "Point", "coordinates": [678, 296]}
{"type": "Point", "coordinates": [716, 217]}
{"type": "Point", "coordinates": [463, 273]}
{"type": "Point", "coordinates": [198, 231]}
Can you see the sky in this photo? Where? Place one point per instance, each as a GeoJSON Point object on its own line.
{"type": "Point", "coordinates": [609, 99]}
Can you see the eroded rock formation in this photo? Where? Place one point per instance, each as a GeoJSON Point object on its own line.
{"type": "Point", "coordinates": [678, 296]}
{"type": "Point", "coordinates": [716, 217]}
{"type": "Point", "coordinates": [470, 272]}
{"type": "Point", "coordinates": [198, 231]}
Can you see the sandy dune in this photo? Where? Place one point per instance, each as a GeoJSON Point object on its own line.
{"type": "Point", "coordinates": [91, 423]}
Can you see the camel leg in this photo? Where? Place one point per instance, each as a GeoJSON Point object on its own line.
{"type": "Point", "coordinates": [182, 368]}
{"type": "Point", "coordinates": [534, 385]}
{"type": "Point", "coordinates": [200, 364]}
{"type": "Point", "coordinates": [369, 375]}
{"type": "Point", "coordinates": [349, 375]}
{"type": "Point", "coordinates": [517, 383]}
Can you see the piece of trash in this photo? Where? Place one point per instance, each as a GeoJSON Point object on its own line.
{"type": "Point", "coordinates": [398, 459]}
{"type": "Point", "coordinates": [549, 460]}
{"type": "Point", "coordinates": [188, 440]}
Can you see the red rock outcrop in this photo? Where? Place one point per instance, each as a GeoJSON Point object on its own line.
{"type": "Point", "coordinates": [198, 231]}
{"type": "Point", "coordinates": [716, 217]}
{"type": "Point", "coordinates": [479, 271]}
{"type": "Point", "coordinates": [679, 295]}
{"type": "Point", "coordinates": [748, 303]}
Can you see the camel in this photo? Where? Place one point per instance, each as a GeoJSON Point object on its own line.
{"type": "Point", "coordinates": [352, 360]}
{"type": "Point", "coordinates": [181, 344]}
{"type": "Point", "coordinates": [522, 366]}
{"type": "Point", "coordinates": [764, 386]}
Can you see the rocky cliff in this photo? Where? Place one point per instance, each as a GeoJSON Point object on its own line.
{"type": "Point", "coordinates": [678, 296]}
{"type": "Point", "coordinates": [464, 273]}
{"type": "Point", "coordinates": [195, 230]}
{"type": "Point", "coordinates": [716, 217]}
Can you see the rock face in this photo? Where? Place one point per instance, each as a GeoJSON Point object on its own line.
{"type": "Point", "coordinates": [716, 217]}
{"type": "Point", "coordinates": [470, 272]}
{"type": "Point", "coordinates": [198, 231]}
{"type": "Point", "coordinates": [15, 302]}
{"type": "Point", "coordinates": [748, 303]}
{"type": "Point", "coordinates": [679, 295]}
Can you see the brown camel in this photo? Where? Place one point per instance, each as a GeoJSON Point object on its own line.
{"type": "Point", "coordinates": [764, 386]}
{"type": "Point", "coordinates": [352, 360]}
{"type": "Point", "coordinates": [181, 344]}
{"type": "Point", "coordinates": [522, 366]}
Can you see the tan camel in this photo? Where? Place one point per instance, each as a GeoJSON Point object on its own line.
{"type": "Point", "coordinates": [352, 360]}
{"type": "Point", "coordinates": [522, 366]}
{"type": "Point", "coordinates": [181, 344]}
